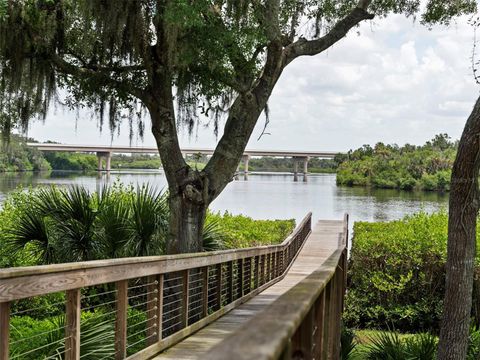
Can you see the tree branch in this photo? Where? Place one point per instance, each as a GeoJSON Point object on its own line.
{"type": "Point", "coordinates": [340, 29]}
{"type": "Point", "coordinates": [100, 76]}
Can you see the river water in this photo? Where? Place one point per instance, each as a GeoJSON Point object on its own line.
{"type": "Point", "coordinates": [264, 196]}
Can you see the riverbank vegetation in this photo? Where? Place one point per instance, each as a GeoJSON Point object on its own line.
{"type": "Point", "coordinates": [286, 164]}
{"type": "Point", "coordinates": [396, 285]}
{"type": "Point", "coordinates": [54, 225]}
{"type": "Point", "coordinates": [397, 274]}
{"type": "Point", "coordinates": [410, 167]}
{"type": "Point", "coordinates": [16, 156]}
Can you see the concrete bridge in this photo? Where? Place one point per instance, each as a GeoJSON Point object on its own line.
{"type": "Point", "coordinates": [105, 153]}
{"type": "Point", "coordinates": [271, 302]}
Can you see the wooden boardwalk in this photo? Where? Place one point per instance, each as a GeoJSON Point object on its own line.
{"type": "Point", "coordinates": [322, 242]}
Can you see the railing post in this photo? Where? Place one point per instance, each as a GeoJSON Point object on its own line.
{"type": "Point", "coordinates": [338, 311]}
{"type": "Point", "coordinates": [302, 340]}
{"type": "Point", "coordinates": [72, 325]}
{"type": "Point", "coordinates": [121, 320]}
{"type": "Point", "coordinates": [250, 272]}
{"type": "Point", "coordinates": [278, 265]}
{"type": "Point", "coordinates": [185, 291]}
{"type": "Point", "coordinates": [269, 267]}
{"type": "Point", "coordinates": [219, 286]}
{"type": "Point", "coordinates": [326, 321]}
{"type": "Point", "coordinates": [4, 330]}
{"type": "Point", "coordinates": [261, 279]}
{"type": "Point", "coordinates": [230, 282]}
{"type": "Point", "coordinates": [319, 322]}
{"type": "Point", "coordinates": [241, 277]}
{"type": "Point", "coordinates": [332, 319]}
{"type": "Point", "coordinates": [287, 351]}
{"type": "Point", "coordinates": [205, 292]}
{"type": "Point", "coordinates": [256, 281]}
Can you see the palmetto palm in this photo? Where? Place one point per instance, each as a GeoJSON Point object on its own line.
{"type": "Point", "coordinates": [73, 224]}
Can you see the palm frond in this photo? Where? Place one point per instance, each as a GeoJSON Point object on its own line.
{"type": "Point", "coordinates": [148, 225]}
{"type": "Point", "coordinates": [31, 228]}
{"type": "Point", "coordinates": [385, 346]}
{"type": "Point", "coordinates": [421, 347]}
{"type": "Point", "coordinates": [112, 225]}
{"type": "Point", "coordinates": [213, 235]}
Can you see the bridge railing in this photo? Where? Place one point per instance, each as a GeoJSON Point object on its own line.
{"type": "Point", "coordinates": [137, 307]}
{"type": "Point", "coordinates": [304, 323]}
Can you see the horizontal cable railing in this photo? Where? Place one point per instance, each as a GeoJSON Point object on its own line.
{"type": "Point", "coordinates": [131, 308]}
{"type": "Point", "coordinates": [308, 330]}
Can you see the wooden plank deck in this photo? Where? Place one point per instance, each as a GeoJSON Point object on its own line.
{"type": "Point", "coordinates": [321, 243]}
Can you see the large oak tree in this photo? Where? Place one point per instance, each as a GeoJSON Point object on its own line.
{"type": "Point", "coordinates": [213, 58]}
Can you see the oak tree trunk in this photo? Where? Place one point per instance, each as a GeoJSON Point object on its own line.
{"type": "Point", "coordinates": [186, 224]}
{"type": "Point", "coordinates": [187, 187]}
{"type": "Point", "coordinates": [462, 219]}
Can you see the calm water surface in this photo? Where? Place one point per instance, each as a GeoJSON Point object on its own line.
{"type": "Point", "coordinates": [264, 196]}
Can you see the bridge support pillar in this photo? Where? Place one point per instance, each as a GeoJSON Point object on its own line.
{"type": "Point", "coordinates": [108, 159]}
{"type": "Point", "coordinates": [305, 169]}
{"type": "Point", "coordinates": [246, 159]}
{"type": "Point", "coordinates": [295, 169]}
{"type": "Point", "coordinates": [100, 161]}
{"type": "Point", "coordinates": [108, 162]}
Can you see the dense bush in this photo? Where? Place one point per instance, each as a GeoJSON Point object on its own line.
{"type": "Point", "coordinates": [409, 167]}
{"type": "Point", "coordinates": [16, 156]}
{"type": "Point", "coordinates": [286, 164]}
{"type": "Point", "coordinates": [396, 274]}
{"type": "Point", "coordinates": [136, 161]}
{"type": "Point", "coordinates": [242, 231]}
{"type": "Point", "coordinates": [71, 161]}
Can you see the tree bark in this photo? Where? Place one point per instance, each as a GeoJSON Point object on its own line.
{"type": "Point", "coordinates": [462, 219]}
{"type": "Point", "coordinates": [188, 195]}
{"type": "Point", "coordinates": [186, 225]}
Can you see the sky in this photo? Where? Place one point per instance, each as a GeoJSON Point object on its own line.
{"type": "Point", "coordinates": [391, 80]}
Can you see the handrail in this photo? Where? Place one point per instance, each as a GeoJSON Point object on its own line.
{"type": "Point", "coordinates": [304, 323]}
{"type": "Point", "coordinates": [182, 293]}
{"type": "Point", "coordinates": [40, 270]}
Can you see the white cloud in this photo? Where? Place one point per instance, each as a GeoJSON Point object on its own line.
{"type": "Point", "coordinates": [396, 82]}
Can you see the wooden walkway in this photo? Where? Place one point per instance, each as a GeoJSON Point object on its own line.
{"type": "Point", "coordinates": [322, 242]}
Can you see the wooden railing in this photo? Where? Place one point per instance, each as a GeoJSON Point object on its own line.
{"type": "Point", "coordinates": [304, 323]}
{"type": "Point", "coordinates": [173, 296]}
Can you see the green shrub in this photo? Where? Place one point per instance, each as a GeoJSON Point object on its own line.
{"type": "Point", "coordinates": [16, 156]}
{"type": "Point", "coordinates": [397, 273]}
{"type": "Point", "coordinates": [474, 344]}
{"type": "Point", "coordinates": [390, 346]}
{"type": "Point", "coordinates": [243, 231]}
{"type": "Point", "coordinates": [47, 337]}
{"type": "Point", "coordinates": [408, 183]}
{"type": "Point", "coordinates": [429, 182]}
{"type": "Point", "coordinates": [71, 161]}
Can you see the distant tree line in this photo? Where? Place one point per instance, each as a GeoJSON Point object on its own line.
{"type": "Point", "coordinates": [410, 167]}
